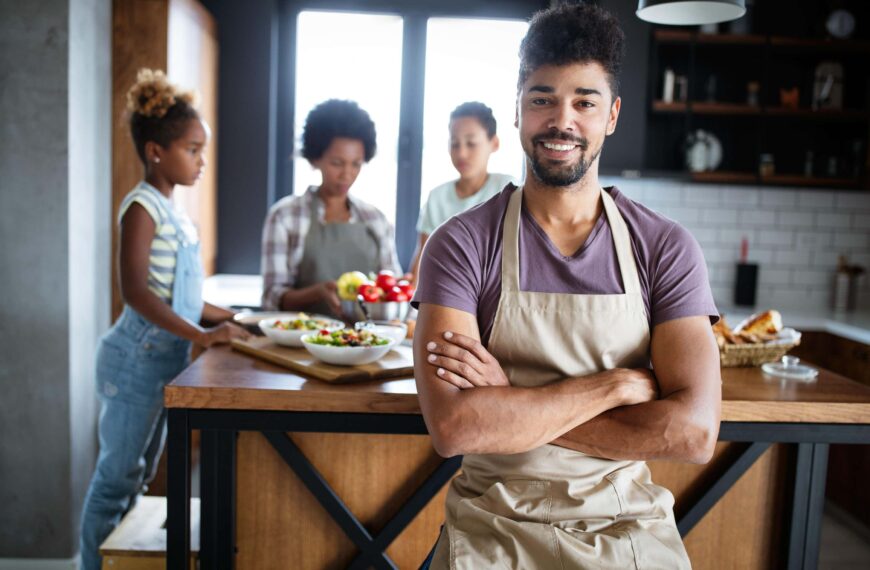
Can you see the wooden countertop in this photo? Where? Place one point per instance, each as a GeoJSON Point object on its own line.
{"type": "Point", "coordinates": [224, 379]}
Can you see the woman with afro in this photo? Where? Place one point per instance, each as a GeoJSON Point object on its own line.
{"type": "Point", "coordinates": [309, 240]}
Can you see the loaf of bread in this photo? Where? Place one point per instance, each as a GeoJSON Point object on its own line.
{"type": "Point", "coordinates": [763, 324]}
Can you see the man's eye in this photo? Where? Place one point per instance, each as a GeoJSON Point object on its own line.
{"type": "Point", "coordinates": [539, 101]}
{"type": "Point", "coordinates": [587, 104]}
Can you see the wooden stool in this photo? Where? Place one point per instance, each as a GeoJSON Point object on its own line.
{"type": "Point", "coordinates": [139, 542]}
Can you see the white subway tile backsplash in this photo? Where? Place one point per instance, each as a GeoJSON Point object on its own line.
{"type": "Point", "coordinates": [820, 297]}
{"type": "Point", "coordinates": [815, 199]}
{"type": "Point", "coordinates": [794, 219]}
{"type": "Point", "coordinates": [663, 194]}
{"type": "Point", "coordinates": [762, 255]}
{"type": "Point", "coordinates": [756, 217]}
{"type": "Point", "coordinates": [719, 216]}
{"type": "Point", "coordinates": [776, 237]}
{"type": "Point", "coordinates": [853, 200]}
{"type": "Point", "coordinates": [695, 194]}
{"type": "Point", "coordinates": [774, 276]}
{"type": "Point", "coordinates": [857, 240]}
{"type": "Point", "coordinates": [824, 259]}
{"type": "Point", "coordinates": [736, 196]}
{"type": "Point", "coordinates": [814, 239]}
{"type": "Point", "coordinates": [833, 220]}
{"type": "Point", "coordinates": [795, 235]}
{"type": "Point", "coordinates": [778, 197]}
{"type": "Point", "coordinates": [799, 257]}
{"type": "Point", "coordinates": [721, 254]}
{"type": "Point", "coordinates": [734, 236]}
{"type": "Point", "coordinates": [811, 277]}
{"type": "Point", "coordinates": [861, 222]}
{"type": "Point", "coordinates": [681, 214]}
{"type": "Point", "coordinates": [705, 236]}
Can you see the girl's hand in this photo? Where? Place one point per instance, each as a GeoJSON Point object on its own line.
{"type": "Point", "coordinates": [465, 363]}
{"type": "Point", "coordinates": [223, 333]}
{"type": "Point", "coordinates": [328, 293]}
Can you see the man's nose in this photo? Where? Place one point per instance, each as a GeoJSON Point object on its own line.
{"type": "Point", "coordinates": [563, 117]}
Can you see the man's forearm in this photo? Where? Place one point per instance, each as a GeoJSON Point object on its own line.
{"type": "Point", "coordinates": [506, 419]}
{"type": "Point", "coordinates": [666, 429]}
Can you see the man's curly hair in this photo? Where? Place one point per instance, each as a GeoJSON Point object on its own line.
{"type": "Point", "coordinates": [334, 119]}
{"type": "Point", "coordinates": [573, 33]}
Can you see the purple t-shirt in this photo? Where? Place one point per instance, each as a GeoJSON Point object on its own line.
{"type": "Point", "coordinates": [461, 265]}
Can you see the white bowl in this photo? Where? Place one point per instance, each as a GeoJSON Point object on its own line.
{"type": "Point", "coordinates": [394, 331]}
{"type": "Point", "coordinates": [293, 337]}
{"type": "Point", "coordinates": [347, 355]}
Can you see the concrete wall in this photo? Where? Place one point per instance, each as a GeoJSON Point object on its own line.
{"type": "Point", "coordinates": [54, 224]}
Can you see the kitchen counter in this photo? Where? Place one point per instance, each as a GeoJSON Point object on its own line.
{"type": "Point", "coordinates": [853, 326]}
{"type": "Point", "coordinates": [243, 291]}
{"type": "Point", "coordinates": [351, 469]}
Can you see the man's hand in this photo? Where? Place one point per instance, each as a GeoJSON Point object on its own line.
{"type": "Point", "coordinates": [465, 363]}
{"type": "Point", "coordinates": [639, 385]}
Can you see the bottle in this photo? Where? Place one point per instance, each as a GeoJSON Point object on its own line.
{"type": "Point", "coordinates": [841, 285]}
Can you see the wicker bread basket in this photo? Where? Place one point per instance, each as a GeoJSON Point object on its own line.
{"type": "Point", "coordinates": [754, 354]}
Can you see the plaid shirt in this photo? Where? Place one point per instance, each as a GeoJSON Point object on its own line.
{"type": "Point", "coordinates": [284, 241]}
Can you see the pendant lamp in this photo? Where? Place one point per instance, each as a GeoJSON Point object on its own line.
{"type": "Point", "coordinates": [690, 12]}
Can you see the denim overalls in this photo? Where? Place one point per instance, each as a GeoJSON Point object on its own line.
{"type": "Point", "coordinates": [135, 360]}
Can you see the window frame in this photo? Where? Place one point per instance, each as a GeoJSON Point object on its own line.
{"type": "Point", "coordinates": [415, 17]}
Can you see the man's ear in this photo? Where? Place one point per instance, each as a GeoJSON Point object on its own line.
{"type": "Point", "coordinates": [614, 115]}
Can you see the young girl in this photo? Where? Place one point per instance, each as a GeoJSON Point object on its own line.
{"type": "Point", "coordinates": [161, 283]}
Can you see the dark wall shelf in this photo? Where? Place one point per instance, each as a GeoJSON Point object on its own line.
{"type": "Point", "coordinates": [734, 109]}
{"type": "Point", "coordinates": [826, 45]}
{"type": "Point", "coordinates": [784, 50]}
{"type": "Point", "coordinates": [724, 177]}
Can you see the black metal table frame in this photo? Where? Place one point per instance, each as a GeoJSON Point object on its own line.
{"type": "Point", "coordinates": [219, 429]}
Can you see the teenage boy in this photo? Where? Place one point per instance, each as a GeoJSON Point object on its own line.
{"type": "Point", "coordinates": [473, 139]}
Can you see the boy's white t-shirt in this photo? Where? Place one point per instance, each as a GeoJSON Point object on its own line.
{"type": "Point", "coordinates": [443, 203]}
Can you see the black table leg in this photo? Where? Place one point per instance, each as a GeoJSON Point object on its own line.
{"type": "Point", "coordinates": [218, 499]}
{"type": "Point", "coordinates": [807, 506]}
{"type": "Point", "coordinates": [815, 505]}
{"type": "Point", "coordinates": [178, 491]}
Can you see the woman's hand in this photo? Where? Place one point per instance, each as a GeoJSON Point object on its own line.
{"type": "Point", "coordinates": [223, 333]}
{"type": "Point", "coordinates": [327, 292]}
{"type": "Point", "coordinates": [465, 363]}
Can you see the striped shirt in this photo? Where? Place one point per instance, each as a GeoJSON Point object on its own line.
{"type": "Point", "coordinates": [284, 234]}
{"type": "Point", "coordinates": [164, 246]}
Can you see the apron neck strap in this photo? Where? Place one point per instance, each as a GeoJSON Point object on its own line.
{"type": "Point", "coordinates": [510, 252]}
{"type": "Point", "coordinates": [622, 242]}
{"type": "Point", "coordinates": [510, 261]}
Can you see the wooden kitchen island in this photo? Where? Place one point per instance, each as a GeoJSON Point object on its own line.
{"type": "Point", "coordinates": [297, 473]}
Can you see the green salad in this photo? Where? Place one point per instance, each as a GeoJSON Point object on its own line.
{"type": "Point", "coordinates": [302, 322]}
{"type": "Point", "coordinates": [348, 337]}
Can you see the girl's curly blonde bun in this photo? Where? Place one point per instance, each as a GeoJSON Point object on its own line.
{"type": "Point", "coordinates": [152, 95]}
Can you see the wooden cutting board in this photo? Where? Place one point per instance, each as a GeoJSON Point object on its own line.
{"type": "Point", "coordinates": [398, 362]}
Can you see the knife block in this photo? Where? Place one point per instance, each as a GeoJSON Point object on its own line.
{"type": "Point", "coordinates": [746, 284]}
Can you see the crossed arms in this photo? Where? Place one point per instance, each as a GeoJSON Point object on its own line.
{"type": "Point", "coordinates": [470, 407]}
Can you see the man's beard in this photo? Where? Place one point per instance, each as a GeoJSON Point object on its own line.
{"type": "Point", "coordinates": [559, 175]}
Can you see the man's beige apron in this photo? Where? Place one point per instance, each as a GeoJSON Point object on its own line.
{"type": "Point", "coordinates": [552, 507]}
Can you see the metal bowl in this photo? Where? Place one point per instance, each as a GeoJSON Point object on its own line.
{"type": "Point", "coordinates": [381, 311]}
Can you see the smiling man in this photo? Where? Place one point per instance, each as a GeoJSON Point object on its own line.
{"type": "Point", "coordinates": [563, 337]}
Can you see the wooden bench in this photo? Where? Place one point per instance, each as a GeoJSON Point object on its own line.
{"type": "Point", "coordinates": [139, 542]}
